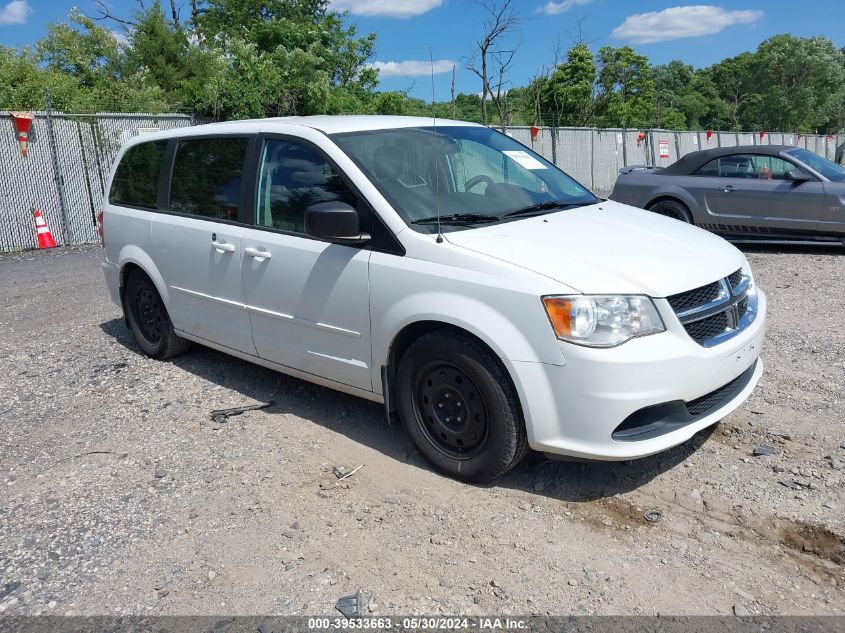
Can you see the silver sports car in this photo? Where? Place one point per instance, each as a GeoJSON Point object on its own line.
{"type": "Point", "coordinates": [760, 193]}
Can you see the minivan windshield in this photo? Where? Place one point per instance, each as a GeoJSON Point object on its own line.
{"type": "Point", "coordinates": [827, 168]}
{"type": "Point", "coordinates": [465, 175]}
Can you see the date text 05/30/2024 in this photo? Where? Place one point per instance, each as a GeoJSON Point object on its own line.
{"type": "Point", "coordinates": [417, 623]}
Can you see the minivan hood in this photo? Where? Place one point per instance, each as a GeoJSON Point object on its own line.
{"type": "Point", "coordinates": [608, 248]}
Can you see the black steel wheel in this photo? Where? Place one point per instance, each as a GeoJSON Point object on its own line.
{"type": "Point", "coordinates": [459, 407]}
{"type": "Point", "coordinates": [148, 319]}
{"type": "Point", "coordinates": [150, 313]}
{"type": "Point", "coordinates": [450, 410]}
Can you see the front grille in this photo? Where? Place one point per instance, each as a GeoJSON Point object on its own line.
{"type": "Point", "coordinates": [684, 301]}
{"type": "Point", "coordinates": [705, 329]}
{"type": "Point", "coordinates": [735, 278]}
{"type": "Point", "coordinates": [717, 398]}
{"type": "Point", "coordinates": [714, 312]}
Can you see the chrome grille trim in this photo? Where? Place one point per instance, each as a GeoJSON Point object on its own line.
{"type": "Point", "coordinates": [717, 320]}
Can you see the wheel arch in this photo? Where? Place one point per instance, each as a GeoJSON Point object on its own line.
{"type": "Point", "coordinates": [675, 194]}
{"type": "Point", "coordinates": [133, 258]}
{"type": "Point", "coordinates": [411, 332]}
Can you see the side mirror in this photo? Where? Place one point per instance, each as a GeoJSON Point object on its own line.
{"type": "Point", "coordinates": [334, 222]}
{"type": "Point", "coordinates": [797, 176]}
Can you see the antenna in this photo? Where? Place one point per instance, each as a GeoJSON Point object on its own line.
{"type": "Point", "coordinates": [434, 152]}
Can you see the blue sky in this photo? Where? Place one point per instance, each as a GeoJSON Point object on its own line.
{"type": "Point", "coordinates": [698, 34]}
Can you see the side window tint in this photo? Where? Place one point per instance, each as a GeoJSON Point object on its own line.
{"type": "Point", "coordinates": [207, 177]}
{"type": "Point", "coordinates": [136, 178]}
{"type": "Point", "coordinates": [292, 178]}
{"type": "Point", "coordinates": [770, 167]}
{"type": "Point", "coordinates": [737, 166]}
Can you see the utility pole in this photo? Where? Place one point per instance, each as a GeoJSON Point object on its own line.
{"type": "Point", "coordinates": [453, 90]}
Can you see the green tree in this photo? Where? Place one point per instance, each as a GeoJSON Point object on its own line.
{"type": "Point", "coordinates": [800, 81]}
{"type": "Point", "coordinates": [626, 88]}
{"type": "Point", "coordinates": [163, 51]}
{"type": "Point", "coordinates": [567, 96]}
{"type": "Point", "coordinates": [283, 57]}
{"type": "Point", "coordinates": [732, 79]}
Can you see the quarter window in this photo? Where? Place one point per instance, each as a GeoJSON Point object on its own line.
{"type": "Point", "coordinates": [292, 178]}
{"type": "Point", "coordinates": [207, 177]}
{"type": "Point", "coordinates": [136, 179]}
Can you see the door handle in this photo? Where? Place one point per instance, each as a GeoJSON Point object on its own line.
{"type": "Point", "coordinates": [258, 254]}
{"type": "Point", "coordinates": [223, 247]}
{"type": "Point", "coordinates": [729, 188]}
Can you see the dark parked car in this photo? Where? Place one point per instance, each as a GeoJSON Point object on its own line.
{"type": "Point", "coordinates": [761, 193]}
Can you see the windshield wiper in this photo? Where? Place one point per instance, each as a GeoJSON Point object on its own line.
{"type": "Point", "coordinates": [459, 218]}
{"type": "Point", "coordinates": [545, 206]}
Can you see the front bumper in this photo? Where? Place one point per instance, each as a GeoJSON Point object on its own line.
{"type": "Point", "coordinates": [574, 409]}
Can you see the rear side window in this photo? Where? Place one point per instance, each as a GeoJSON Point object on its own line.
{"type": "Point", "coordinates": [207, 177]}
{"type": "Point", "coordinates": [135, 182]}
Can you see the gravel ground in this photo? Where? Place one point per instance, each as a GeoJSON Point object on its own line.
{"type": "Point", "coordinates": [121, 496]}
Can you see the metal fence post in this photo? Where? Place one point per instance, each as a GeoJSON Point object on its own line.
{"type": "Point", "coordinates": [592, 160]}
{"type": "Point", "coordinates": [554, 145]}
{"type": "Point", "coordinates": [86, 170]}
{"type": "Point", "coordinates": [650, 139]}
{"type": "Point", "coordinates": [718, 138]}
{"type": "Point", "coordinates": [624, 147]}
{"type": "Point", "coordinates": [57, 168]}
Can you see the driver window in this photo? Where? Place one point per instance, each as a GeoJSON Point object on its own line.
{"type": "Point", "coordinates": [771, 167]}
{"type": "Point", "coordinates": [292, 178]}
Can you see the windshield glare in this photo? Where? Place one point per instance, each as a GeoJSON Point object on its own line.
{"type": "Point", "coordinates": [826, 168]}
{"type": "Point", "coordinates": [461, 170]}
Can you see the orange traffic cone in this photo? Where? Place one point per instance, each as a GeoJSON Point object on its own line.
{"type": "Point", "coordinates": [45, 238]}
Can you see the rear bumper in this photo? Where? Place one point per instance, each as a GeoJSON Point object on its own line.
{"type": "Point", "coordinates": [111, 272]}
{"type": "Point", "coordinates": [577, 409]}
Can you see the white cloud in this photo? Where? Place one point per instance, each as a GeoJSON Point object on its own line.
{"type": "Point", "coordinates": [553, 8]}
{"type": "Point", "coordinates": [680, 22]}
{"type": "Point", "coordinates": [16, 12]}
{"type": "Point", "coordinates": [121, 37]}
{"type": "Point", "coordinates": [388, 8]}
{"type": "Point", "coordinates": [413, 68]}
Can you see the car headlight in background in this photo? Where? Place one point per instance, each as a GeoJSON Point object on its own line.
{"type": "Point", "coordinates": [602, 320]}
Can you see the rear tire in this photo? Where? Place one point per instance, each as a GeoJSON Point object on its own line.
{"type": "Point", "coordinates": [672, 209]}
{"type": "Point", "coordinates": [459, 407]}
{"type": "Point", "coordinates": [148, 318]}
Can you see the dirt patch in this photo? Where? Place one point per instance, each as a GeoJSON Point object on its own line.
{"type": "Point", "coordinates": [615, 512]}
{"type": "Point", "coordinates": [813, 539]}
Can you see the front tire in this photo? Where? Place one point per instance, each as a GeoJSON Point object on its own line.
{"type": "Point", "coordinates": [148, 318]}
{"type": "Point", "coordinates": [459, 407]}
{"type": "Point", "coordinates": [672, 209]}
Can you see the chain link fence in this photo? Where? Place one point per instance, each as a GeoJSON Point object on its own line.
{"type": "Point", "coordinates": [594, 156]}
{"type": "Point", "coordinates": [69, 157]}
{"type": "Point", "coordinates": [64, 172]}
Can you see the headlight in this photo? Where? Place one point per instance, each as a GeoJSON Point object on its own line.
{"type": "Point", "coordinates": [602, 321]}
{"type": "Point", "coordinates": [746, 270]}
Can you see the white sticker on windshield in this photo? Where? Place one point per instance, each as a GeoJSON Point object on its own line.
{"type": "Point", "coordinates": [525, 159]}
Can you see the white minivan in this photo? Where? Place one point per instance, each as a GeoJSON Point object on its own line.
{"type": "Point", "coordinates": [491, 302]}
